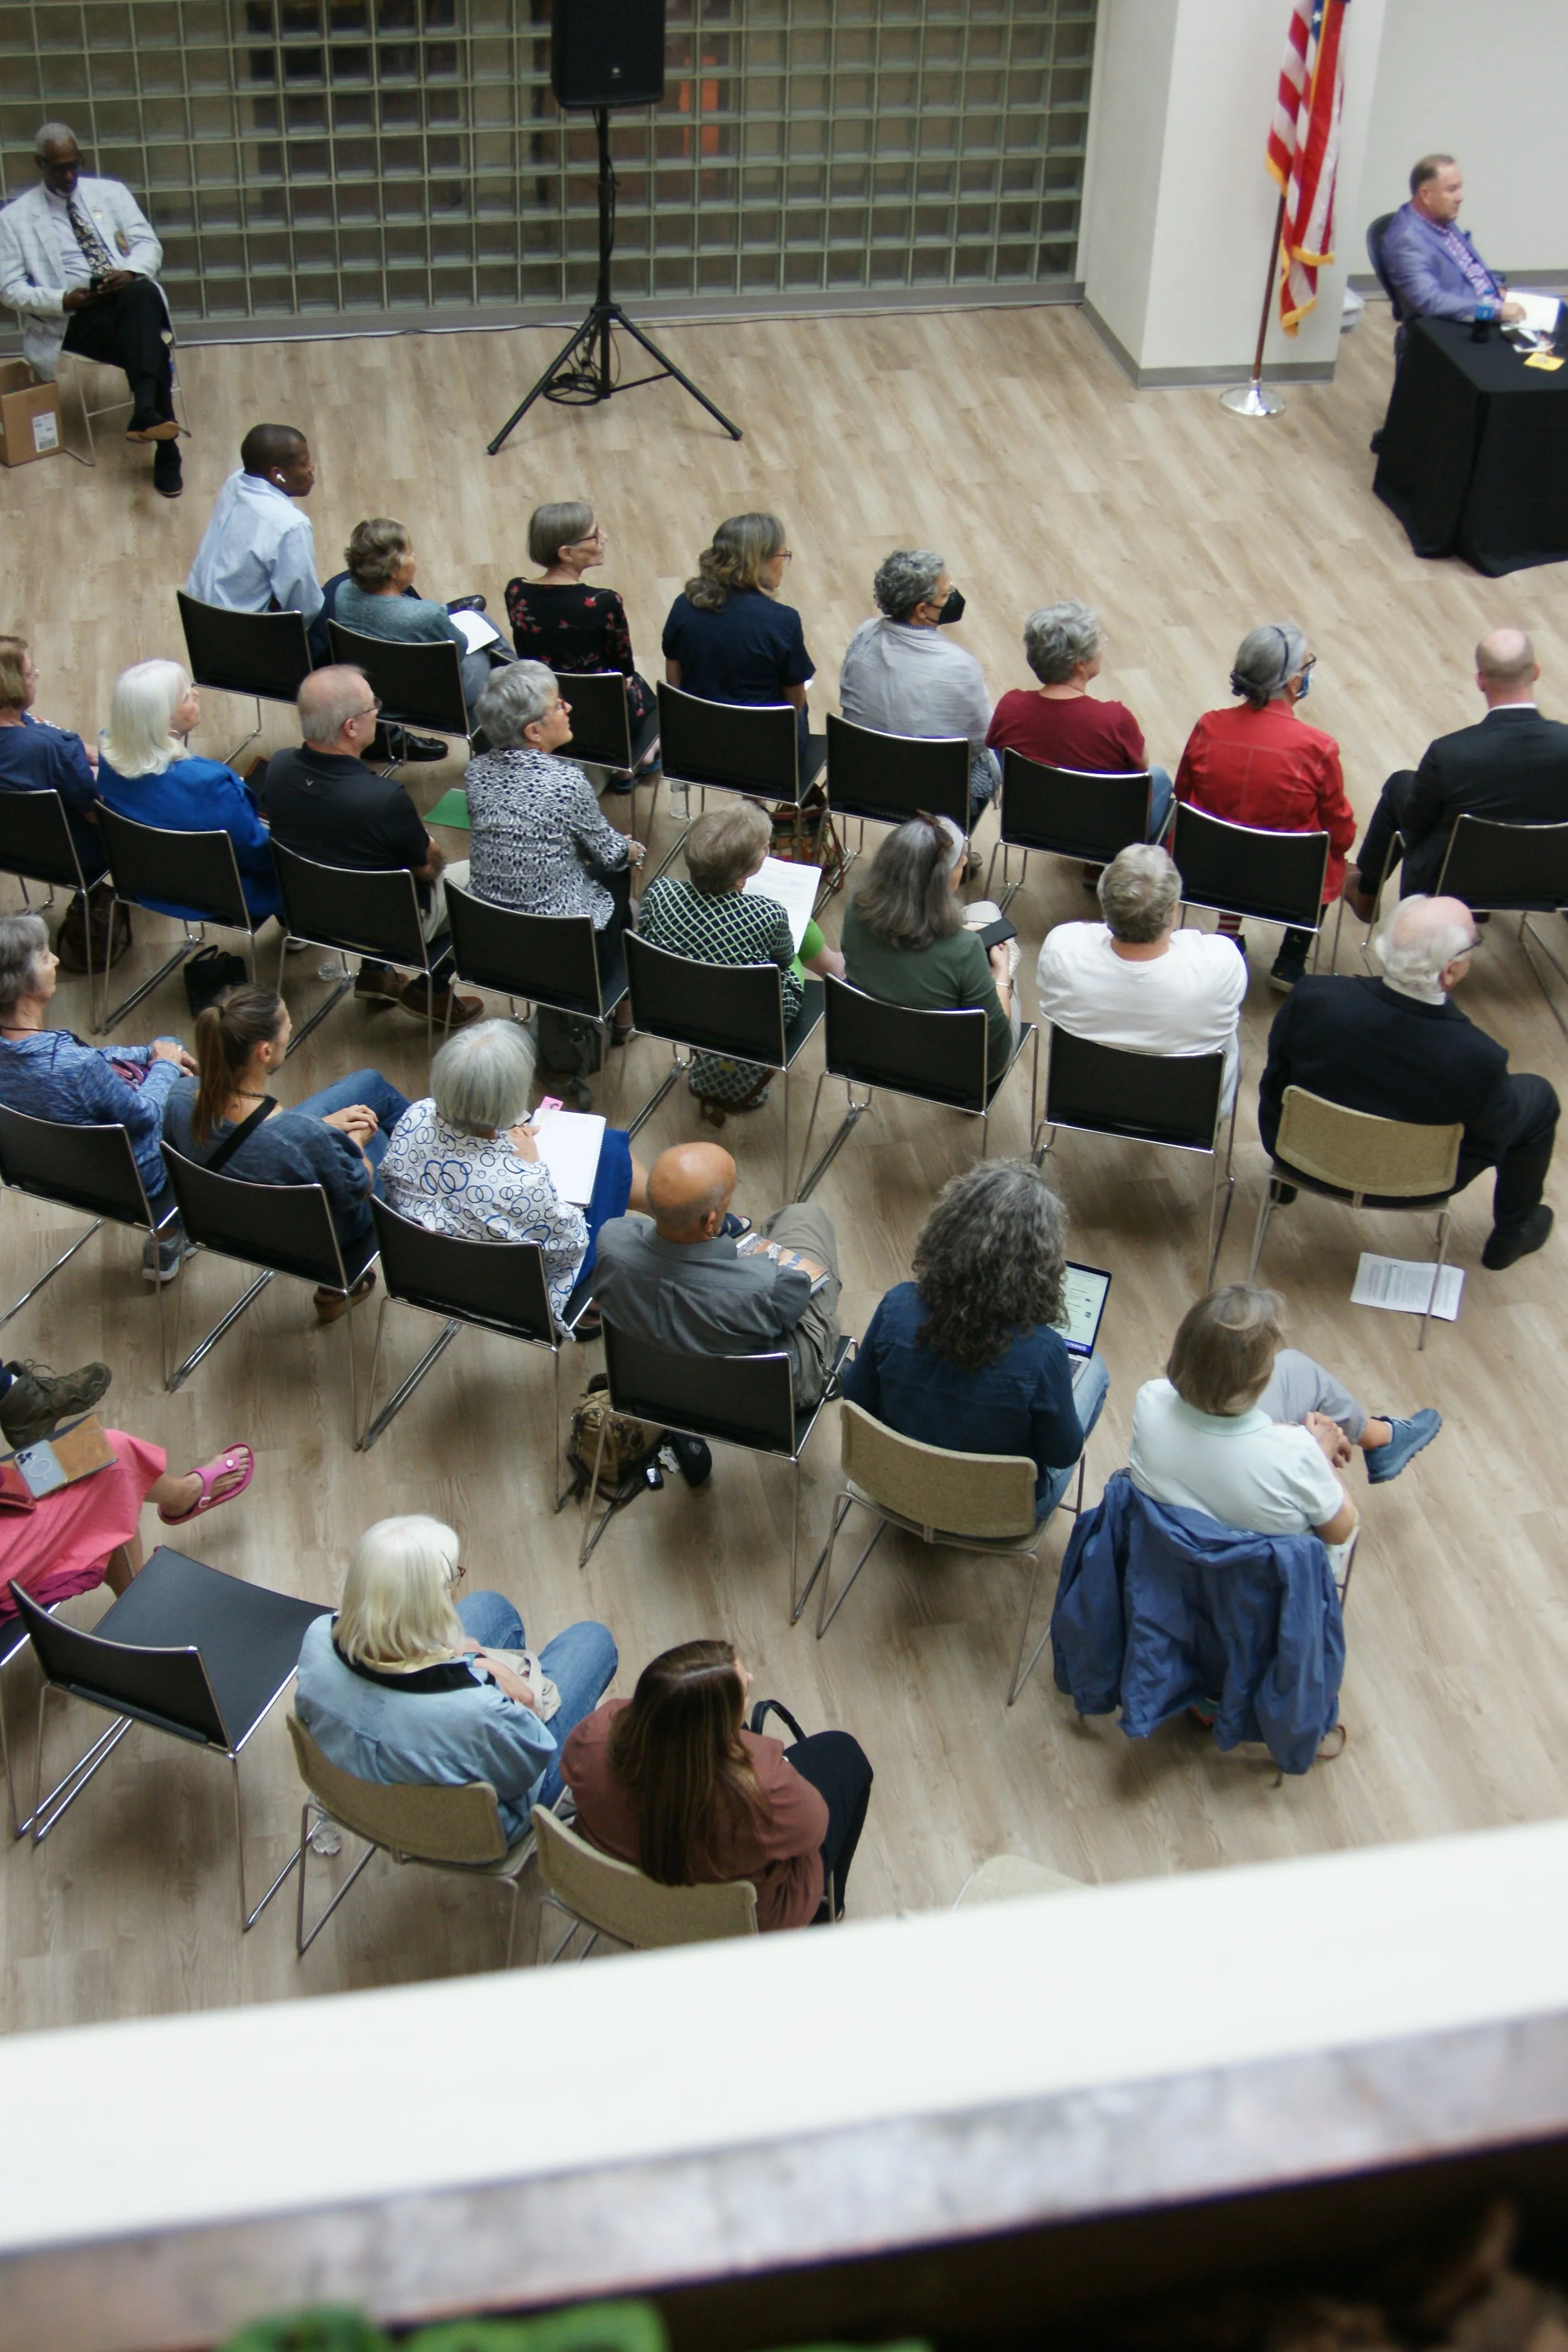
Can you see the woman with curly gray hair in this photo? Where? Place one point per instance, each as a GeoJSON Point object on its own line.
{"type": "Point", "coordinates": [902, 676]}
{"type": "Point", "coordinates": [1060, 724]}
{"type": "Point", "coordinates": [968, 1354]}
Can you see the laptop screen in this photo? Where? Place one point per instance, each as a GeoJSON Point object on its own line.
{"type": "Point", "coordinates": [1084, 1292]}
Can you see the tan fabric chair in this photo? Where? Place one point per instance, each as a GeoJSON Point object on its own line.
{"type": "Point", "coordinates": [456, 1829]}
{"type": "Point", "coordinates": [1008, 1877]}
{"type": "Point", "coordinates": [969, 1502]}
{"type": "Point", "coordinates": [613, 1898]}
{"type": "Point", "coordinates": [1356, 1158]}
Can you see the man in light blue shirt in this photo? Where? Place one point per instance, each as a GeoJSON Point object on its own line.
{"type": "Point", "coordinates": [258, 554]}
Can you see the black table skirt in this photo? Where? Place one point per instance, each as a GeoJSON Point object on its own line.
{"type": "Point", "coordinates": [1475, 451]}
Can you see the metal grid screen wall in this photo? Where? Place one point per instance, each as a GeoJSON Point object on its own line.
{"type": "Point", "coordinates": [332, 157]}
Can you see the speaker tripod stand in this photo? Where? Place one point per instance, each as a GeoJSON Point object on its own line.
{"type": "Point", "coordinates": [584, 371]}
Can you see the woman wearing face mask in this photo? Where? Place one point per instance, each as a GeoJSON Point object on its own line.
{"type": "Point", "coordinates": [1259, 763]}
{"type": "Point", "coordinates": [901, 676]}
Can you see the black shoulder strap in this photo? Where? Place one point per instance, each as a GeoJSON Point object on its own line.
{"type": "Point", "coordinates": [236, 1136]}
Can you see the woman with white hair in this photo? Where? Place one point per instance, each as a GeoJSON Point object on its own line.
{"type": "Point", "coordinates": [464, 1162]}
{"type": "Point", "coordinates": [908, 937]}
{"type": "Point", "coordinates": [1060, 724]}
{"type": "Point", "coordinates": [407, 1685]}
{"type": "Point", "coordinates": [146, 771]}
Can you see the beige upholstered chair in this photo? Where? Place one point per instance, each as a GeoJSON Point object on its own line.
{"type": "Point", "coordinates": [613, 1898]}
{"type": "Point", "coordinates": [456, 1829]}
{"type": "Point", "coordinates": [1356, 1158]}
{"type": "Point", "coordinates": [1008, 1877]}
{"type": "Point", "coordinates": [969, 1502]}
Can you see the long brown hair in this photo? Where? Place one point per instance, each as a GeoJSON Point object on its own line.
{"type": "Point", "coordinates": [227, 1033]}
{"type": "Point", "coordinates": [742, 545]}
{"type": "Point", "coordinates": [678, 1749]}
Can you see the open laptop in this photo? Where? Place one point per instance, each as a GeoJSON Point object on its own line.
{"type": "Point", "coordinates": [1085, 1289]}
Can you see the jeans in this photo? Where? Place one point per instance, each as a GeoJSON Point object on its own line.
{"type": "Point", "coordinates": [377, 1094]}
{"type": "Point", "coordinates": [1161, 793]}
{"type": "Point", "coordinates": [984, 776]}
{"type": "Point", "coordinates": [1090, 1381]}
{"type": "Point", "coordinates": [127, 329]}
{"type": "Point", "coordinates": [581, 1663]}
{"type": "Point", "coordinates": [837, 1767]}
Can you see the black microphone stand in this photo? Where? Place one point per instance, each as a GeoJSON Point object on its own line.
{"type": "Point", "coordinates": [584, 371]}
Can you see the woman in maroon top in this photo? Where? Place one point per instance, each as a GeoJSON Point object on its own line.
{"type": "Point", "coordinates": [673, 1781]}
{"type": "Point", "coordinates": [1060, 722]}
{"type": "Point", "coordinates": [569, 626]}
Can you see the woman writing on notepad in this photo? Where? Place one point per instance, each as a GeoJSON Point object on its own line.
{"type": "Point", "coordinates": [466, 1160]}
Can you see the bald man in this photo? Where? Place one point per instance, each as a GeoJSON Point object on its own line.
{"type": "Point", "coordinates": [679, 1279]}
{"type": "Point", "coordinates": [1511, 767]}
{"type": "Point", "coordinates": [1399, 1047]}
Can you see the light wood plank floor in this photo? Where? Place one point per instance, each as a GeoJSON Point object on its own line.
{"type": "Point", "coordinates": [1009, 440]}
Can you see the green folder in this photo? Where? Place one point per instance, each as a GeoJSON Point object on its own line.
{"type": "Point", "coordinates": [452, 809]}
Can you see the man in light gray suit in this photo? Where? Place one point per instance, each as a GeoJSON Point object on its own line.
{"type": "Point", "coordinates": [80, 261]}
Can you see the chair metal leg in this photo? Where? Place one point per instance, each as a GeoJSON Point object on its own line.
{"type": "Point", "coordinates": [64, 1259]}
{"type": "Point", "coordinates": [1216, 1238]}
{"type": "Point", "coordinates": [400, 1396]}
{"type": "Point", "coordinates": [19, 1827]}
{"type": "Point", "coordinates": [247, 1919]}
{"type": "Point", "coordinates": [591, 1534]}
{"type": "Point", "coordinates": [1265, 1212]}
{"type": "Point", "coordinates": [1529, 935]}
{"type": "Point", "coordinates": [853, 1111]}
{"type": "Point", "coordinates": [188, 947]}
{"type": "Point", "coordinates": [204, 1347]}
{"type": "Point", "coordinates": [1444, 1220]}
{"type": "Point", "coordinates": [244, 745]}
{"type": "Point", "coordinates": [339, 992]}
{"type": "Point", "coordinates": [1021, 1673]}
{"type": "Point", "coordinates": [841, 1510]}
{"type": "Point", "coordinates": [798, 1598]}
{"type": "Point", "coordinates": [302, 1942]}
{"type": "Point", "coordinates": [548, 1903]}
{"type": "Point", "coordinates": [676, 1069]}
{"type": "Point", "coordinates": [46, 1810]}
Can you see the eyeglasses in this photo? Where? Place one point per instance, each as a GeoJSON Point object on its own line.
{"type": "Point", "coordinates": [595, 538]}
{"type": "Point", "coordinates": [373, 712]}
{"type": "Point", "coordinates": [455, 1572]}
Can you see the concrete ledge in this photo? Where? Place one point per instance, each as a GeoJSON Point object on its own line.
{"type": "Point", "coordinates": [1174, 379]}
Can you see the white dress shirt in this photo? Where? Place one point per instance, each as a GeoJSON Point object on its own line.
{"type": "Point", "coordinates": [258, 550]}
{"type": "Point", "coordinates": [74, 270]}
{"type": "Point", "coordinates": [1187, 1000]}
{"type": "Point", "coordinates": [911, 681]}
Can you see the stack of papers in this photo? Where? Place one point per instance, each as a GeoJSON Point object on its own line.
{"type": "Point", "coordinates": [478, 628]}
{"type": "Point", "coordinates": [569, 1144]}
{"type": "Point", "coordinates": [1405, 1285]}
{"type": "Point", "coordinates": [794, 887]}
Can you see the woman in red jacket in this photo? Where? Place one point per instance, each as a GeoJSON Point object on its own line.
{"type": "Point", "coordinates": [673, 1781]}
{"type": "Point", "coordinates": [1259, 763]}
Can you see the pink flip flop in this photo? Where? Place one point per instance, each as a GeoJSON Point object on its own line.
{"type": "Point", "coordinates": [237, 1457]}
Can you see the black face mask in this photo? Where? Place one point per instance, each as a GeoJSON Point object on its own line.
{"type": "Point", "coordinates": [953, 610]}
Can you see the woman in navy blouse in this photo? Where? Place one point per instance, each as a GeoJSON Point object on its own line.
{"type": "Point", "coordinates": [728, 639]}
{"type": "Point", "coordinates": [144, 771]}
{"type": "Point", "coordinates": [36, 758]}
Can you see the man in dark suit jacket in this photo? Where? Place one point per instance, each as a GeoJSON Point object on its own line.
{"type": "Point", "coordinates": [1399, 1048]}
{"type": "Point", "coordinates": [1513, 767]}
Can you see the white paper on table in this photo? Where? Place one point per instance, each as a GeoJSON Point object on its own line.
{"type": "Point", "coordinates": [1540, 311]}
{"type": "Point", "coordinates": [478, 628]}
{"type": "Point", "coordinates": [795, 887]}
{"type": "Point", "coordinates": [569, 1143]}
{"type": "Point", "coordinates": [1405, 1285]}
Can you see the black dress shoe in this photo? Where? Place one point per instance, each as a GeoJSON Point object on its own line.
{"type": "Point", "coordinates": [466, 604]}
{"type": "Point", "coordinates": [391, 742]}
{"type": "Point", "coordinates": [1507, 1244]}
{"type": "Point", "coordinates": [168, 479]}
{"type": "Point", "coordinates": [1376, 443]}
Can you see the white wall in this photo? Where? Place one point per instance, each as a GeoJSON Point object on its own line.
{"type": "Point", "coordinates": [1488, 86]}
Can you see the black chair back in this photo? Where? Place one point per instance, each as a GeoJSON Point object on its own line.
{"type": "Point", "coordinates": [168, 1688]}
{"type": "Point", "coordinates": [35, 841]}
{"type": "Point", "coordinates": [417, 685]}
{"type": "Point", "coordinates": [1244, 869]}
{"type": "Point", "coordinates": [891, 778]}
{"type": "Point", "coordinates": [548, 958]}
{"type": "Point", "coordinates": [1070, 813]}
{"type": "Point", "coordinates": [734, 1399]}
{"type": "Point", "coordinates": [373, 913]}
{"type": "Point", "coordinates": [264, 655]}
{"type": "Point", "coordinates": [940, 1056]}
{"type": "Point", "coordinates": [500, 1286]}
{"type": "Point", "coordinates": [92, 1168]}
{"type": "Point", "coordinates": [601, 722]}
{"type": "Point", "coordinates": [734, 1009]}
{"type": "Point", "coordinates": [730, 747]}
{"type": "Point", "coordinates": [1149, 1097]}
{"type": "Point", "coordinates": [1506, 868]}
{"type": "Point", "coordinates": [1377, 231]}
{"type": "Point", "coordinates": [187, 869]}
{"type": "Point", "coordinates": [287, 1227]}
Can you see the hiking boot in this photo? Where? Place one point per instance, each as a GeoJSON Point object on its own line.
{"type": "Point", "coordinates": [38, 1400]}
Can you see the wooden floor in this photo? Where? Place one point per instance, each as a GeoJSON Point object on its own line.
{"type": "Point", "coordinates": [1009, 440]}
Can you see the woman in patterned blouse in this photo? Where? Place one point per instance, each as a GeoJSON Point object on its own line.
{"type": "Point", "coordinates": [464, 1161]}
{"type": "Point", "coordinates": [557, 619]}
{"type": "Point", "coordinates": [713, 919]}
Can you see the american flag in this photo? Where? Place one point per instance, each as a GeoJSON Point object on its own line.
{"type": "Point", "coordinates": [1304, 149]}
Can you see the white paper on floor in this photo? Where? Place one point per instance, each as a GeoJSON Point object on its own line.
{"type": "Point", "coordinates": [1405, 1285]}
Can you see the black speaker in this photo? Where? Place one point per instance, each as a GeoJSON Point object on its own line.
{"type": "Point", "coordinates": [606, 52]}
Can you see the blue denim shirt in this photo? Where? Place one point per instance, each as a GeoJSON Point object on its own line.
{"type": "Point", "coordinates": [53, 1074]}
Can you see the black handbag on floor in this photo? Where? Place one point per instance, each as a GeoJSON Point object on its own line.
{"type": "Point", "coordinates": [208, 972]}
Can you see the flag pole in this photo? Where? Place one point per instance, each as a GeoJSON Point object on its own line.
{"type": "Point", "coordinates": [1250, 399]}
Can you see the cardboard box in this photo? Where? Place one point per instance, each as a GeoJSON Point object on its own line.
{"type": "Point", "coordinates": [30, 416]}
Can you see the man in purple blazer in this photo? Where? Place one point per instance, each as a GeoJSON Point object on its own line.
{"type": "Point", "coordinates": [1428, 260]}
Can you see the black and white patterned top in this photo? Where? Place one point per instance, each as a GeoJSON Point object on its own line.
{"type": "Point", "coordinates": [722, 926]}
{"type": "Point", "coordinates": [533, 827]}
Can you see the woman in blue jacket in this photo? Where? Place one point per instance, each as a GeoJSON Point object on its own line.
{"type": "Point", "coordinates": [145, 772]}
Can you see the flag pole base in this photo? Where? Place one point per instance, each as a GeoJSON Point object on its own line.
{"type": "Point", "coordinates": [1252, 400]}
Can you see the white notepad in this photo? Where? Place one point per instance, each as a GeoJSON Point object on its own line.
{"type": "Point", "coordinates": [478, 628]}
{"type": "Point", "coordinates": [1405, 1285]}
{"type": "Point", "coordinates": [794, 887]}
{"type": "Point", "coordinates": [569, 1143]}
{"type": "Point", "coordinates": [1542, 311]}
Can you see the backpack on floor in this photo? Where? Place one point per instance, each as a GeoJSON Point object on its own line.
{"type": "Point", "coordinates": [630, 1445]}
{"type": "Point", "coordinates": [570, 1045]}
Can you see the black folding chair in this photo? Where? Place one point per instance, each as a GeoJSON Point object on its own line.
{"type": "Point", "coordinates": [264, 655]}
{"type": "Point", "coordinates": [498, 1287]}
{"type": "Point", "coordinates": [370, 912]}
{"type": "Point", "coordinates": [736, 1010]}
{"type": "Point", "coordinates": [187, 869]}
{"type": "Point", "coordinates": [742, 1400]}
{"type": "Point", "coordinates": [937, 1057]}
{"type": "Point", "coordinates": [417, 685]}
{"type": "Point", "coordinates": [37, 846]}
{"type": "Point", "coordinates": [1377, 231]}
{"type": "Point", "coordinates": [1171, 1100]}
{"type": "Point", "coordinates": [91, 1169]}
{"type": "Point", "coordinates": [1245, 869]}
{"type": "Point", "coordinates": [283, 1228]}
{"type": "Point", "coordinates": [888, 779]}
{"type": "Point", "coordinates": [542, 959]}
{"type": "Point", "coordinates": [1067, 812]}
{"type": "Point", "coordinates": [733, 747]}
{"type": "Point", "coordinates": [602, 733]}
{"type": "Point", "coordinates": [1511, 869]}
{"type": "Point", "coordinates": [13, 1641]}
{"type": "Point", "coordinates": [187, 1650]}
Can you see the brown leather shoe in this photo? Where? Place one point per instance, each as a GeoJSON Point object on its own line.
{"type": "Point", "coordinates": [380, 987]}
{"type": "Point", "coordinates": [464, 1009]}
{"type": "Point", "coordinates": [331, 1306]}
{"type": "Point", "coordinates": [167, 428]}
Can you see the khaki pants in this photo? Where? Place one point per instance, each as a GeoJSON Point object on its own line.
{"type": "Point", "coordinates": [814, 1342]}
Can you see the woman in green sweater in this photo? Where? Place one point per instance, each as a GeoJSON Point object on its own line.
{"type": "Point", "coordinates": [908, 935]}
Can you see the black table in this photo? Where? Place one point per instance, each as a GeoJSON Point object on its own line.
{"type": "Point", "coordinates": [1475, 451]}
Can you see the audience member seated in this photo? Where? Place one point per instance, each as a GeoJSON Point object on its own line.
{"type": "Point", "coordinates": [1060, 723]}
{"type": "Point", "coordinates": [34, 1400]}
{"type": "Point", "coordinates": [679, 1279]}
{"type": "Point", "coordinates": [403, 1688]}
{"type": "Point", "coordinates": [38, 758]}
{"type": "Point", "coordinates": [146, 771]}
{"type": "Point", "coordinates": [901, 676]}
{"type": "Point", "coordinates": [673, 1781]}
{"type": "Point", "coordinates": [1135, 981]}
{"type": "Point", "coordinates": [225, 1116]}
{"type": "Point", "coordinates": [464, 1162]}
{"type": "Point", "coordinates": [1398, 1046]}
{"type": "Point", "coordinates": [325, 801]}
{"type": "Point", "coordinates": [53, 1073]}
{"type": "Point", "coordinates": [376, 599]}
{"type": "Point", "coordinates": [713, 919]}
{"type": "Point", "coordinates": [258, 552]}
{"type": "Point", "coordinates": [967, 1355]}
{"type": "Point", "coordinates": [909, 939]}
{"type": "Point", "coordinates": [728, 638]}
{"type": "Point", "coordinates": [1259, 763]}
{"type": "Point", "coordinates": [559, 621]}
{"type": "Point", "coordinates": [1511, 767]}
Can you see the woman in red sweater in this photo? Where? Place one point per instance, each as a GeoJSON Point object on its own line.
{"type": "Point", "coordinates": [1259, 763]}
{"type": "Point", "coordinates": [673, 1781]}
